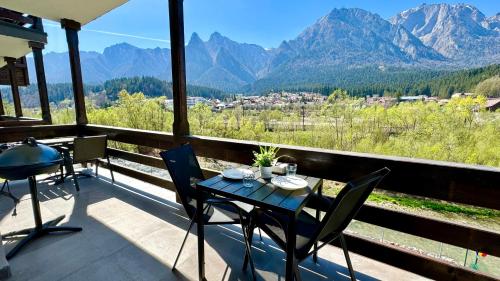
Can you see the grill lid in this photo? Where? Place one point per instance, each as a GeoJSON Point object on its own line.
{"type": "Point", "coordinates": [30, 153]}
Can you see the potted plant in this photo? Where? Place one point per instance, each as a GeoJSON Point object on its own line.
{"type": "Point", "coordinates": [265, 159]}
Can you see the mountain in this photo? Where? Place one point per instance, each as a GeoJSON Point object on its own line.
{"type": "Point", "coordinates": [343, 42]}
{"type": "Point", "coordinates": [492, 23]}
{"type": "Point", "coordinates": [121, 60]}
{"type": "Point", "coordinates": [254, 57]}
{"type": "Point", "coordinates": [223, 63]}
{"type": "Point", "coordinates": [458, 32]}
{"type": "Point", "coordinates": [356, 37]}
{"type": "Point", "coordinates": [346, 39]}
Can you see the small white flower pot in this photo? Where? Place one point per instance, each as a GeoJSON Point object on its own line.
{"type": "Point", "coordinates": [266, 172]}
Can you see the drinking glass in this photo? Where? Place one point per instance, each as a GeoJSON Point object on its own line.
{"type": "Point", "coordinates": [248, 178]}
{"type": "Point", "coordinates": [291, 169]}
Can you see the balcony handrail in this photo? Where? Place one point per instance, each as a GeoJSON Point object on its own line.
{"type": "Point", "coordinates": [449, 181]}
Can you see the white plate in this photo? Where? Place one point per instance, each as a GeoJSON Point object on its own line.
{"type": "Point", "coordinates": [235, 174]}
{"type": "Point", "coordinates": [289, 183]}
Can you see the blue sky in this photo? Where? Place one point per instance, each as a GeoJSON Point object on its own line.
{"type": "Point", "coordinates": [144, 23]}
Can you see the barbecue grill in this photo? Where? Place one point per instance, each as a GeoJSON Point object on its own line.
{"type": "Point", "coordinates": [26, 161]}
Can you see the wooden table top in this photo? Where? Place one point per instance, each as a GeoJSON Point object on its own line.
{"type": "Point", "coordinates": [263, 193]}
{"type": "Point", "coordinates": [55, 141]}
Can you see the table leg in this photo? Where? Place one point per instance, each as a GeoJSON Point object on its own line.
{"type": "Point", "coordinates": [40, 229]}
{"type": "Point", "coordinates": [290, 248]}
{"type": "Point", "coordinates": [201, 236]}
{"type": "Point", "coordinates": [34, 202]}
{"type": "Point", "coordinates": [318, 215]}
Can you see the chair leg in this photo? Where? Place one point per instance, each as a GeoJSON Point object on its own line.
{"type": "Point", "coordinates": [71, 169]}
{"type": "Point", "coordinates": [297, 273]}
{"type": "Point", "coordinates": [346, 254]}
{"type": "Point", "coordinates": [318, 215]}
{"type": "Point", "coordinates": [183, 242]}
{"type": "Point", "coordinates": [260, 235]}
{"type": "Point", "coordinates": [250, 229]}
{"type": "Point", "coordinates": [110, 169]}
{"type": "Point", "coordinates": [62, 172]}
{"type": "Point", "coordinates": [96, 168]}
{"type": "Point", "coordinates": [248, 251]}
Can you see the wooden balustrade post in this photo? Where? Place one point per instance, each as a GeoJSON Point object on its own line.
{"type": "Point", "coordinates": [179, 88]}
{"type": "Point", "coordinates": [2, 110]}
{"type": "Point", "coordinates": [40, 73]}
{"type": "Point", "coordinates": [11, 65]}
{"type": "Point", "coordinates": [72, 27]}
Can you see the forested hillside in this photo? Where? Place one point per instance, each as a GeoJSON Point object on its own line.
{"type": "Point", "coordinates": [371, 81]}
{"type": "Point", "coordinates": [150, 86]}
{"type": "Point", "coordinates": [153, 87]}
{"type": "Point", "coordinates": [360, 83]}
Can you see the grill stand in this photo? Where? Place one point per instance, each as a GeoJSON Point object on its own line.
{"type": "Point", "coordinates": [41, 229]}
{"type": "Point", "coordinates": [8, 193]}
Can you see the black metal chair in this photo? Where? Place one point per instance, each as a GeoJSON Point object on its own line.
{"type": "Point", "coordinates": [185, 171]}
{"type": "Point", "coordinates": [86, 149]}
{"type": "Point", "coordinates": [310, 230]}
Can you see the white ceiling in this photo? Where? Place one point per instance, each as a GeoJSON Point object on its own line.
{"type": "Point", "coordinates": [12, 47]}
{"type": "Point", "coordinates": [82, 11]}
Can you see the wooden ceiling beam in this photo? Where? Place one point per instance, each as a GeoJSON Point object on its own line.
{"type": "Point", "coordinates": [15, 17]}
{"type": "Point", "coordinates": [17, 31]}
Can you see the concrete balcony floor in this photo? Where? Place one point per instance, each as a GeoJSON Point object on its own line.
{"type": "Point", "coordinates": [133, 230]}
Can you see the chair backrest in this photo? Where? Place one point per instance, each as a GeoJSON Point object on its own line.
{"type": "Point", "coordinates": [347, 204]}
{"type": "Point", "coordinates": [185, 171]}
{"type": "Point", "coordinates": [89, 148]}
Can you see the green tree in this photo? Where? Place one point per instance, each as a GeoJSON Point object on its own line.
{"type": "Point", "coordinates": [489, 87]}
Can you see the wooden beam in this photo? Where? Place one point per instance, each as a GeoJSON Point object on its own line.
{"type": "Point", "coordinates": [11, 65]}
{"type": "Point", "coordinates": [455, 182]}
{"type": "Point", "coordinates": [18, 123]}
{"type": "Point", "coordinates": [153, 139]}
{"type": "Point", "coordinates": [40, 73]}
{"type": "Point", "coordinates": [463, 236]}
{"type": "Point", "coordinates": [412, 261]}
{"type": "Point", "coordinates": [21, 73]}
{"type": "Point", "coordinates": [21, 32]}
{"type": "Point", "coordinates": [2, 110]}
{"type": "Point", "coordinates": [72, 27]}
{"type": "Point", "coordinates": [161, 182]}
{"type": "Point", "coordinates": [152, 161]}
{"type": "Point", "coordinates": [176, 16]}
{"type": "Point", "coordinates": [15, 17]}
{"type": "Point", "coordinates": [12, 134]}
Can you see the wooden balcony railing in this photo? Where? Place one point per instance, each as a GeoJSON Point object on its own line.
{"type": "Point", "coordinates": [452, 182]}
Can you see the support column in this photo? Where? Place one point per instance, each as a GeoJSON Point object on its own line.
{"type": "Point", "coordinates": [2, 111]}
{"type": "Point", "coordinates": [40, 73]}
{"type": "Point", "coordinates": [11, 65]}
{"type": "Point", "coordinates": [176, 16]}
{"type": "Point", "coordinates": [72, 27]}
